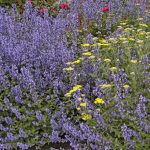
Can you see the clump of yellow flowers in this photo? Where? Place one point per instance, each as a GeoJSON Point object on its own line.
{"type": "Point", "coordinates": [68, 69]}
{"type": "Point", "coordinates": [133, 61]}
{"type": "Point", "coordinates": [85, 45]}
{"type": "Point", "coordinates": [86, 116]}
{"type": "Point", "coordinates": [87, 53]}
{"type": "Point", "coordinates": [75, 88]}
{"type": "Point", "coordinates": [113, 69]}
{"type": "Point", "coordinates": [74, 62]}
{"type": "Point", "coordinates": [99, 101]}
{"type": "Point", "coordinates": [107, 60]}
{"type": "Point", "coordinates": [104, 86]}
{"type": "Point", "coordinates": [126, 86]}
{"type": "Point", "coordinates": [83, 104]}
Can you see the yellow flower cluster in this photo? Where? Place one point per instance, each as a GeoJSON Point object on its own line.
{"type": "Point", "coordinates": [142, 33]}
{"type": "Point", "coordinates": [104, 86]}
{"type": "Point", "coordinates": [74, 62]}
{"type": "Point", "coordinates": [126, 86]}
{"type": "Point", "coordinates": [123, 23]}
{"type": "Point", "coordinates": [87, 53]}
{"type": "Point", "coordinates": [113, 69]}
{"type": "Point", "coordinates": [139, 41]}
{"type": "Point", "coordinates": [75, 88]}
{"type": "Point", "coordinates": [99, 101]}
{"type": "Point", "coordinates": [131, 39]}
{"type": "Point", "coordinates": [101, 44]}
{"type": "Point", "coordinates": [143, 25]}
{"type": "Point", "coordinates": [107, 60]}
{"type": "Point", "coordinates": [83, 104]}
{"type": "Point", "coordinates": [133, 61]}
{"type": "Point", "coordinates": [86, 116]}
{"type": "Point", "coordinates": [78, 108]}
{"type": "Point", "coordinates": [85, 45]}
{"type": "Point", "coordinates": [122, 39]}
{"type": "Point", "coordinates": [127, 29]}
{"type": "Point", "coordinates": [68, 69]}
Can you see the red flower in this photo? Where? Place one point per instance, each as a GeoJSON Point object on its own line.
{"type": "Point", "coordinates": [42, 10]}
{"type": "Point", "coordinates": [64, 5]}
{"type": "Point", "coordinates": [105, 9]}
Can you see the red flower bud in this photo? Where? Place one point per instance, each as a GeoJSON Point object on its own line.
{"type": "Point", "coordinates": [105, 9]}
{"type": "Point", "coordinates": [42, 10]}
{"type": "Point", "coordinates": [64, 6]}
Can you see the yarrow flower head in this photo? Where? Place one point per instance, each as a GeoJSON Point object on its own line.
{"type": "Point", "coordinates": [103, 44]}
{"type": "Point", "coordinates": [133, 61]}
{"type": "Point", "coordinates": [68, 69]}
{"type": "Point", "coordinates": [113, 69]}
{"type": "Point", "coordinates": [104, 86]}
{"type": "Point", "coordinates": [126, 86]}
{"type": "Point", "coordinates": [143, 25]}
{"type": "Point", "coordinates": [87, 53]}
{"type": "Point", "coordinates": [86, 45]}
{"type": "Point", "coordinates": [99, 101]}
{"type": "Point", "coordinates": [107, 60]}
{"type": "Point", "coordinates": [75, 88]}
{"type": "Point", "coordinates": [78, 108]}
{"type": "Point", "coordinates": [86, 116]}
{"type": "Point", "coordinates": [83, 104]}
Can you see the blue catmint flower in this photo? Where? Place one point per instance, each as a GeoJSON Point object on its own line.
{"type": "Point", "coordinates": [48, 111]}
{"type": "Point", "coordinates": [8, 120]}
{"type": "Point", "coordinates": [47, 97]}
{"type": "Point", "coordinates": [6, 102]}
{"type": "Point", "coordinates": [10, 137]}
{"type": "Point", "coordinates": [22, 134]}
{"type": "Point", "coordinates": [45, 135]}
{"type": "Point", "coordinates": [39, 115]}
{"type": "Point", "coordinates": [22, 146]}
{"type": "Point", "coordinates": [16, 90]}
{"type": "Point", "coordinates": [16, 112]}
{"type": "Point", "coordinates": [42, 142]}
{"type": "Point", "coordinates": [55, 136]}
{"type": "Point", "coordinates": [19, 100]}
{"type": "Point", "coordinates": [53, 123]}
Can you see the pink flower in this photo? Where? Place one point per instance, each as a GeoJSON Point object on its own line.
{"type": "Point", "coordinates": [64, 5]}
{"type": "Point", "coordinates": [42, 10]}
{"type": "Point", "coordinates": [105, 9]}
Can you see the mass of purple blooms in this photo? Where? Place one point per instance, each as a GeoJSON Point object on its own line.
{"type": "Point", "coordinates": [34, 50]}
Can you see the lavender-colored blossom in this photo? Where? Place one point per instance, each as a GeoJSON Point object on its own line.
{"type": "Point", "coordinates": [19, 100]}
{"type": "Point", "coordinates": [42, 142]}
{"type": "Point", "coordinates": [127, 133]}
{"type": "Point", "coordinates": [22, 134]}
{"type": "Point", "coordinates": [10, 137]}
{"type": "Point", "coordinates": [22, 145]}
{"type": "Point", "coordinates": [55, 136]}
{"type": "Point", "coordinates": [16, 112]}
{"type": "Point", "coordinates": [8, 120]}
{"type": "Point", "coordinates": [35, 123]}
{"type": "Point", "coordinates": [7, 102]}
{"type": "Point", "coordinates": [16, 90]}
{"type": "Point", "coordinates": [39, 115]}
{"type": "Point", "coordinates": [48, 111]}
{"type": "Point", "coordinates": [47, 97]}
{"type": "Point", "coordinates": [45, 135]}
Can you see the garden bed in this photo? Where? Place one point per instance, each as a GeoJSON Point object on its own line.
{"type": "Point", "coordinates": [78, 79]}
